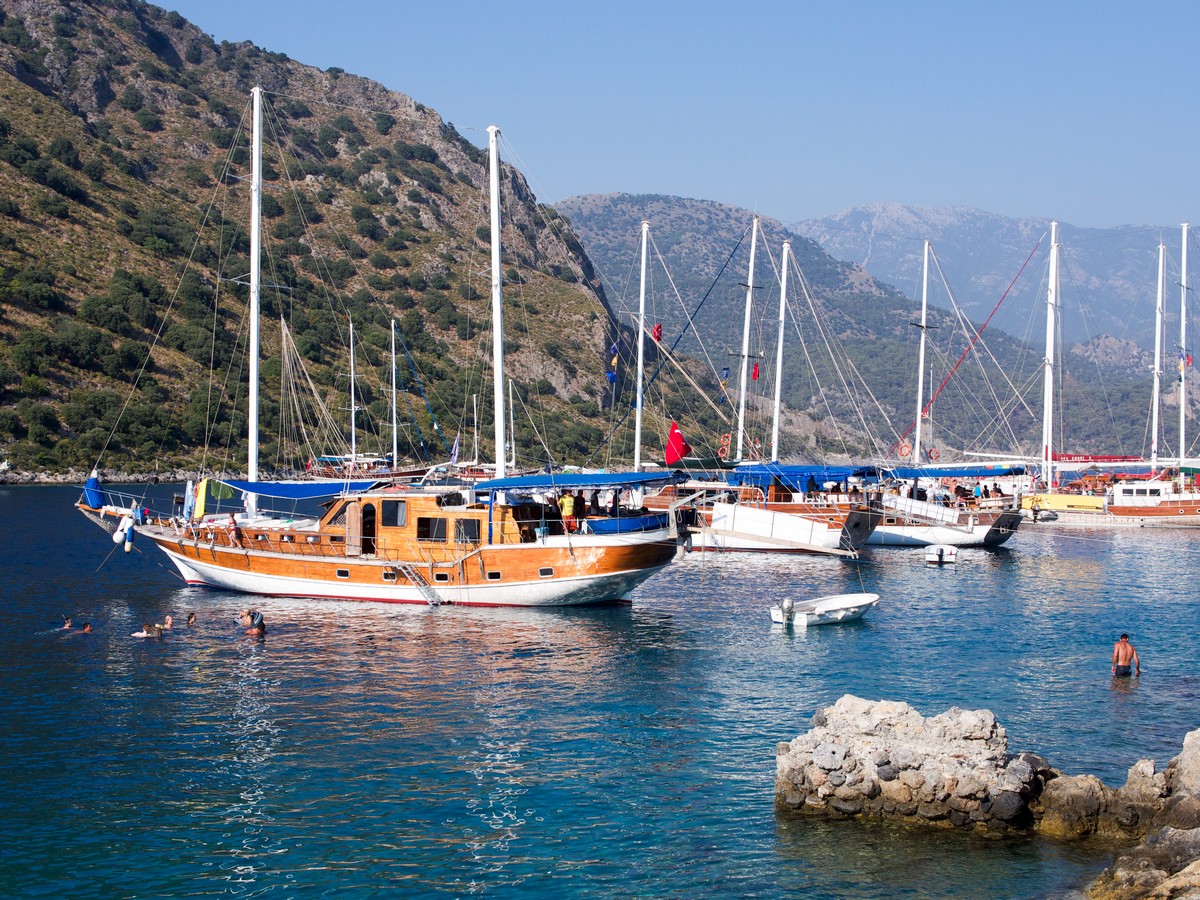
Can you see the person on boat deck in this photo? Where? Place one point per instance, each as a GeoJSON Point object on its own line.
{"type": "Point", "coordinates": [581, 510]}
{"type": "Point", "coordinates": [234, 531]}
{"type": "Point", "coordinates": [810, 487]}
{"type": "Point", "coordinates": [987, 494]}
{"type": "Point", "coordinates": [1124, 655]}
{"type": "Point", "coordinates": [996, 492]}
{"type": "Point", "coordinates": [566, 506]}
{"type": "Point", "coordinates": [978, 491]}
{"type": "Point", "coordinates": [614, 508]}
{"type": "Point", "coordinates": [594, 508]}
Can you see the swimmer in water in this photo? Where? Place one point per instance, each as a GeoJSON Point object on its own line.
{"type": "Point", "coordinates": [191, 619]}
{"type": "Point", "coordinates": [148, 631]}
{"type": "Point", "coordinates": [87, 628]}
{"type": "Point", "coordinates": [254, 619]}
{"type": "Point", "coordinates": [66, 623]}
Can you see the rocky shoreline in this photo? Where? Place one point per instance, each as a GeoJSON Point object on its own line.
{"type": "Point", "coordinates": [884, 760]}
{"type": "Point", "coordinates": [107, 476]}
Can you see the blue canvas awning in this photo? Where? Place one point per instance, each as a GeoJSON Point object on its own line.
{"type": "Point", "coordinates": [585, 481]}
{"type": "Point", "coordinates": [794, 477]}
{"type": "Point", "coordinates": [985, 470]}
{"type": "Point", "coordinates": [299, 490]}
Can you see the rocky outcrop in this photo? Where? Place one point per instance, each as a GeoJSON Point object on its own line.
{"type": "Point", "coordinates": [884, 760]}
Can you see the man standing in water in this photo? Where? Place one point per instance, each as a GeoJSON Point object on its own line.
{"type": "Point", "coordinates": [1125, 655]}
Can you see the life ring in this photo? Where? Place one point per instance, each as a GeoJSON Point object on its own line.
{"type": "Point", "coordinates": [933, 454]}
{"type": "Point", "coordinates": [726, 438]}
{"type": "Point", "coordinates": [905, 450]}
{"type": "Point", "coordinates": [723, 451]}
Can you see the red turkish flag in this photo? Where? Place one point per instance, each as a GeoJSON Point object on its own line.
{"type": "Point", "coordinates": [677, 447]}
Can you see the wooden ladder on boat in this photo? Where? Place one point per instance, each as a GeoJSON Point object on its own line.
{"type": "Point", "coordinates": [411, 572]}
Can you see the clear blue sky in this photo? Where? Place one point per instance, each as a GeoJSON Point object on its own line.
{"type": "Point", "coordinates": [1082, 111]}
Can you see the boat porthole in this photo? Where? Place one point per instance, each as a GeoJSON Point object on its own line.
{"type": "Point", "coordinates": [493, 576]}
{"type": "Point", "coordinates": [546, 572]}
{"type": "Point", "coordinates": [389, 576]}
{"type": "Point", "coordinates": [441, 576]}
{"type": "Point", "coordinates": [342, 573]}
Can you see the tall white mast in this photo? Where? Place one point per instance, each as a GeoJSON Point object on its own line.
{"type": "Point", "coordinates": [255, 287]}
{"type": "Point", "coordinates": [1048, 372]}
{"type": "Point", "coordinates": [1183, 349]}
{"type": "Point", "coordinates": [641, 355]}
{"type": "Point", "coordinates": [512, 427]}
{"type": "Point", "coordinates": [787, 249]}
{"type": "Point", "coordinates": [353, 406]}
{"type": "Point", "coordinates": [1158, 334]}
{"type": "Point", "coordinates": [395, 425]}
{"type": "Point", "coordinates": [475, 429]}
{"type": "Point", "coordinates": [917, 457]}
{"type": "Point", "coordinates": [497, 300]}
{"type": "Point", "coordinates": [746, 342]}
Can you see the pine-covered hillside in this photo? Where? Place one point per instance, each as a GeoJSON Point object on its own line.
{"type": "Point", "coordinates": [124, 147]}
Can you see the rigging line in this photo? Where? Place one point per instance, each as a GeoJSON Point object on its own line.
{"type": "Point", "coordinates": [420, 387]}
{"type": "Point", "coordinates": [976, 336]}
{"type": "Point", "coordinates": [677, 340]}
{"type": "Point", "coordinates": [965, 325]}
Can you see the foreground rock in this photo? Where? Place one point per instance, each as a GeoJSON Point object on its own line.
{"type": "Point", "coordinates": [884, 760]}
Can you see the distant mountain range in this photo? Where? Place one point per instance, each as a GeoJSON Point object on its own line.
{"type": "Point", "coordinates": [1109, 275]}
{"type": "Point", "coordinates": [704, 248]}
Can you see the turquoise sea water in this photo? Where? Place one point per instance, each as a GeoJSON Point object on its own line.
{"type": "Point", "coordinates": [365, 749]}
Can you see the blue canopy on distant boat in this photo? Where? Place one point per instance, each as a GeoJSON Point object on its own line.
{"type": "Point", "coordinates": [986, 470]}
{"type": "Point", "coordinates": [586, 481]}
{"type": "Point", "coordinates": [299, 490]}
{"type": "Point", "coordinates": [794, 477]}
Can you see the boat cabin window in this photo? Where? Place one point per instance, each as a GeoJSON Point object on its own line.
{"type": "Point", "coordinates": [441, 576]}
{"type": "Point", "coordinates": [339, 517]}
{"type": "Point", "coordinates": [343, 573]}
{"type": "Point", "coordinates": [395, 514]}
{"type": "Point", "coordinates": [546, 572]}
{"type": "Point", "coordinates": [466, 531]}
{"type": "Point", "coordinates": [389, 575]}
{"type": "Point", "coordinates": [493, 576]}
{"type": "Point", "coordinates": [431, 529]}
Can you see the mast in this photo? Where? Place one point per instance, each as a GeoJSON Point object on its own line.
{"type": "Point", "coordinates": [1048, 372]}
{"type": "Point", "coordinates": [1183, 349]}
{"type": "Point", "coordinates": [395, 427]}
{"type": "Point", "coordinates": [924, 326]}
{"type": "Point", "coordinates": [497, 299]}
{"type": "Point", "coordinates": [641, 354]}
{"type": "Point", "coordinates": [1158, 333]}
{"type": "Point", "coordinates": [512, 427]}
{"type": "Point", "coordinates": [255, 288]}
{"type": "Point", "coordinates": [787, 249]}
{"type": "Point", "coordinates": [746, 342]}
{"type": "Point", "coordinates": [353, 406]}
{"type": "Point", "coordinates": [475, 429]}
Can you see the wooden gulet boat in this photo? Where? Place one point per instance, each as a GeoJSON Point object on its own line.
{"type": "Point", "coordinates": [399, 545]}
{"type": "Point", "coordinates": [498, 543]}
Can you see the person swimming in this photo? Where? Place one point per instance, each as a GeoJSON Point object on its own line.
{"type": "Point", "coordinates": [191, 620]}
{"type": "Point", "coordinates": [1125, 658]}
{"type": "Point", "coordinates": [254, 619]}
{"type": "Point", "coordinates": [148, 631]}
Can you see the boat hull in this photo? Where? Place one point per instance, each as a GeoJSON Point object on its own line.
{"type": "Point", "coordinates": [916, 523]}
{"type": "Point", "coordinates": [774, 528]}
{"type": "Point", "coordinates": [559, 571]}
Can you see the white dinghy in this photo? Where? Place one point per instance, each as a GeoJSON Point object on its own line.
{"type": "Point", "coordinates": [832, 610]}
